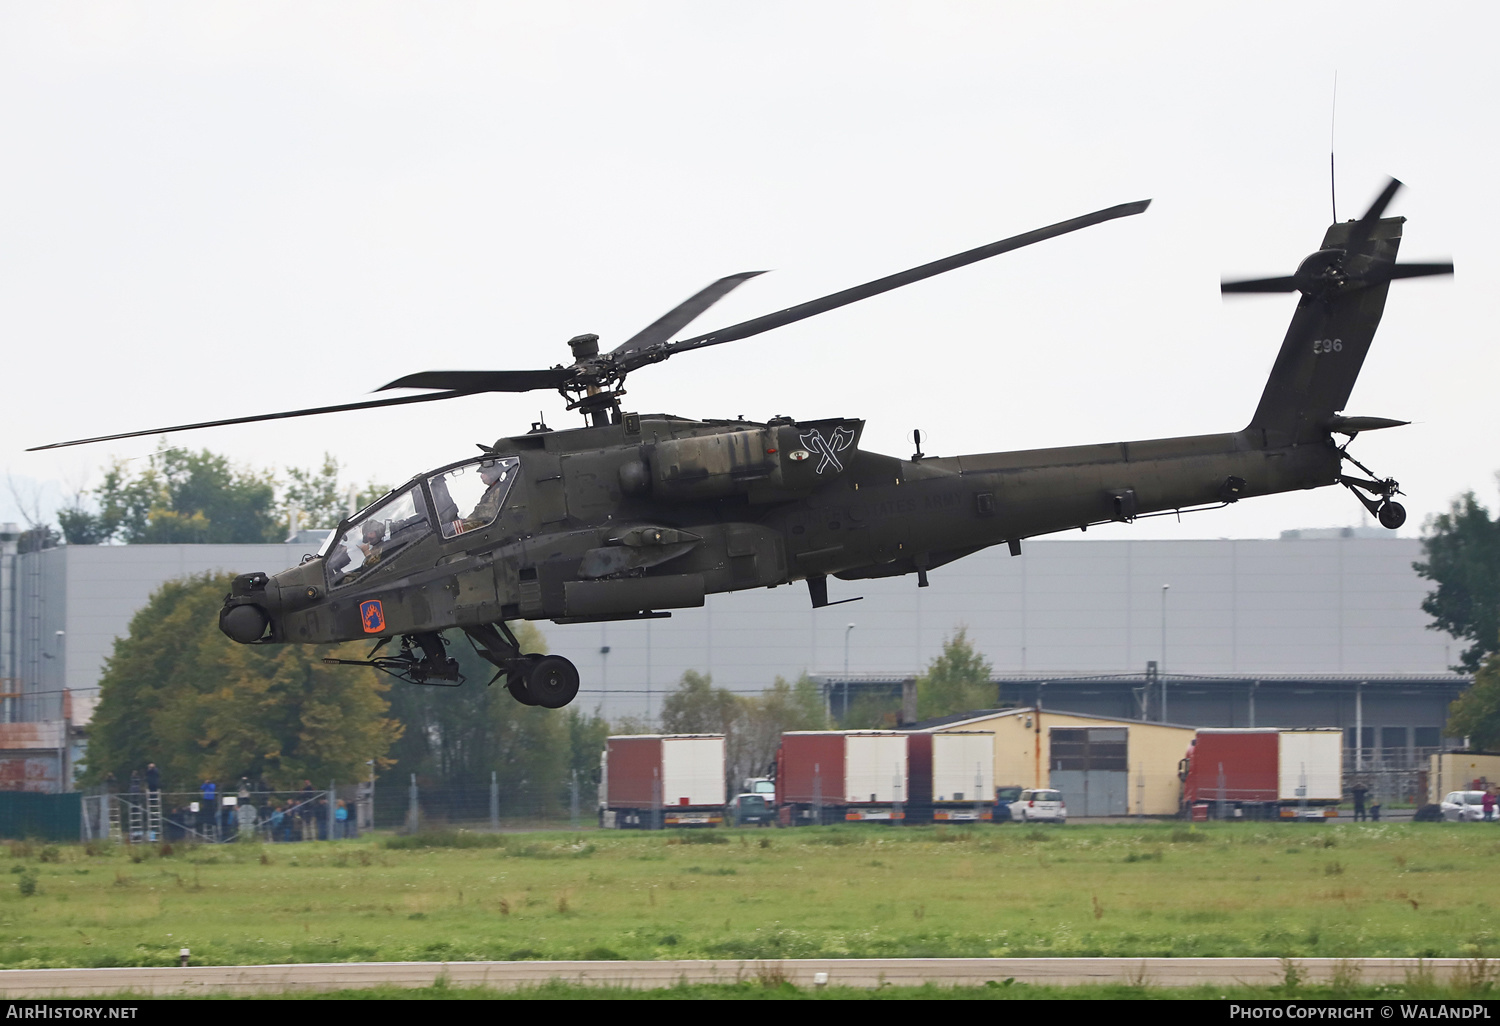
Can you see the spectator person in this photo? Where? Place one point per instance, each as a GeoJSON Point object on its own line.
{"type": "Point", "coordinates": [1358, 791]}
{"type": "Point", "coordinates": [209, 800]}
{"type": "Point", "coordinates": [1488, 803]}
{"type": "Point", "coordinates": [306, 811]}
{"type": "Point", "coordinates": [340, 821]}
{"type": "Point", "coordinates": [153, 778]}
{"type": "Point", "coordinates": [1375, 810]}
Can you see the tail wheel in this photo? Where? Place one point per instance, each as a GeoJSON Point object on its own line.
{"type": "Point", "coordinates": [552, 682]}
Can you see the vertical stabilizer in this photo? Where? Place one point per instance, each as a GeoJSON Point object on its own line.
{"type": "Point", "coordinates": [1343, 288]}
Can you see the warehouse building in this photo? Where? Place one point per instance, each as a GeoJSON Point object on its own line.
{"type": "Point", "coordinates": [1103, 766]}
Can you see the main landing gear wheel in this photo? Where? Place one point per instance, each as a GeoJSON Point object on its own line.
{"type": "Point", "coordinates": [517, 675]}
{"type": "Point", "coordinates": [1392, 515]}
{"type": "Point", "coordinates": [552, 682]}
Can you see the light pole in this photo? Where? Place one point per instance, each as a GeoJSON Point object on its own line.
{"type": "Point", "coordinates": [1163, 669]}
{"type": "Point", "coordinates": [847, 630]}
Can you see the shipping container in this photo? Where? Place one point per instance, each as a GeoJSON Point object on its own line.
{"type": "Point", "coordinates": [1263, 773]}
{"type": "Point", "coordinates": [651, 781]}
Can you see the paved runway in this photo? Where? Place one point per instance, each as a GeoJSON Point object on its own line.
{"type": "Point", "coordinates": [850, 972]}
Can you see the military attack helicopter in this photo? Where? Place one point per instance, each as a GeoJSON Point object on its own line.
{"type": "Point", "coordinates": [634, 515]}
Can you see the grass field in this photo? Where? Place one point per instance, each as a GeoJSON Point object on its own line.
{"type": "Point", "coordinates": [1343, 891]}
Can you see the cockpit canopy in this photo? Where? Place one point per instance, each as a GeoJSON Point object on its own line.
{"type": "Point", "coordinates": [470, 496]}
{"type": "Point", "coordinates": [460, 499]}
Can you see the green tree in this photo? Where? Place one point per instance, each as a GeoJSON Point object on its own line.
{"type": "Point", "coordinates": [1475, 714]}
{"type": "Point", "coordinates": [586, 735]}
{"type": "Point", "coordinates": [956, 681]}
{"type": "Point", "coordinates": [79, 526]}
{"type": "Point", "coordinates": [1462, 547]}
{"type": "Point", "coordinates": [752, 725]}
{"type": "Point", "coordinates": [764, 718]}
{"type": "Point", "coordinates": [320, 499]}
{"type": "Point", "coordinates": [181, 496]}
{"type": "Point", "coordinates": [455, 738]}
{"type": "Point", "coordinates": [697, 707]}
{"type": "Point", "coordinates": [178, 693]}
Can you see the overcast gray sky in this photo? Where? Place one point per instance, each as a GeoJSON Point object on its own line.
{"type": "Point", "coordinates": [216, 209]}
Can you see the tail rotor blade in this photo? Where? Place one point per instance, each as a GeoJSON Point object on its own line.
{"type": "Point", "coordinates": [1377, 209]}
{"type": "Point", "coordinates": [1259, 285]}
{"type": "Point", "coordinates": [1360, 233]}
{"type": "Point", "coordinates": [1420, 270]}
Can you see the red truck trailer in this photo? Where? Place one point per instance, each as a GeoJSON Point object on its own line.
{"type": "Point", "coordinates": [829, 776]}
{"type": "Point", "coordinates": [651, 781]}
{"type": "Point", "coordinates": [1263, 773]}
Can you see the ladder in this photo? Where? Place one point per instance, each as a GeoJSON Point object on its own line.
{"type": "Point", "coordinates": [153, 816]}
{"type": "Point", "coordinates": [137, 833]}
{"type": "Point", "coordinates": [113, 803]}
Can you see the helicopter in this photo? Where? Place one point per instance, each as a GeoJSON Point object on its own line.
{"type": "Point", "coordinates": [634, 515]}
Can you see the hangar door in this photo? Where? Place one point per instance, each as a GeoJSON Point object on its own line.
{"type": "Point", "coordinates": [1090, 766]}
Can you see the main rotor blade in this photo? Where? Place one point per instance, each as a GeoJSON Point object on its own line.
{"type": "Point", "coordinates": [370, 404]}
{"type": "Point", "coordinates": [484, 381]}
{"type": "Point", "coordinates": [874, 288]}
{"type": "Point", "coordinates": [1259, 285]}
{"type": "Point", "coordinates": [683, 314]}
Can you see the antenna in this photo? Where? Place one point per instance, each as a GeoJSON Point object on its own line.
{"type": "Point", "coordinates": [1333, 185]}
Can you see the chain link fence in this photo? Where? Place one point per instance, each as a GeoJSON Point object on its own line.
{"type": "Point", "coordinates": [338, 812]}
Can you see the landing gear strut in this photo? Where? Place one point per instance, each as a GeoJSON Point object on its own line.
{"type": "Point", "coordinates": [1379, 501]}
{"type": "Point", "coordinates": [432, 666]}
{"type": "Point", "coordinates": [549, 681]}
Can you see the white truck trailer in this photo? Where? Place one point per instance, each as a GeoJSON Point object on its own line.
{"type": "Point", "coordinates": [652, 781]}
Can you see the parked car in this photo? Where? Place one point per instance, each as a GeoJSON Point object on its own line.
{"type": "Point", "coordinates": [744, 809]}
{"type": "Point", "coordinates": [1003, 798]}
{"type": "Point", "coordinates": [1040, 804]}
{"type": "Point", "coordinates": [1463, 806]}
{"type": "Point", "coordinates": [759, 785]}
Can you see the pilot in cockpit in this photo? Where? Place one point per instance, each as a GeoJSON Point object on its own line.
{"type": "Point", "coordinates": [372, 541]}
{"type": "Point", "coordinates": [488, 507]}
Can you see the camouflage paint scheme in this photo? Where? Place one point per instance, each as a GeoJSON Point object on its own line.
{"type": "Point", "coordinates": [720, 506]}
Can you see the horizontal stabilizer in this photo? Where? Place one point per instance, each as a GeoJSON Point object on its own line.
{"type": "Point", "coordinates": [1353, 425]}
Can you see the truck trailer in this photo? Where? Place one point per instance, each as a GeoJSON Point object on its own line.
{"type": "Point", "coordinates": [829, 776]}
{"type": "Point", "coordinates": [1263, 773]}
{"type": "Point", "coordinates": [952, 776]}
{"type": "Point", "coordinates": [652, 781]}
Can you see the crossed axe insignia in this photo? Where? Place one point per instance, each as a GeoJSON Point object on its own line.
{"type": "Point", "coordinates": [827, 449]}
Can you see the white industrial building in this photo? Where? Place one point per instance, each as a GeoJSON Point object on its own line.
{"type": "Point", "coordinates": [1334, 604]}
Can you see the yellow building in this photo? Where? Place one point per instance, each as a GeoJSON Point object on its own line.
{"type": "Point", "coordinates": [1457, 771]}
{"type": "Point", "coordinates": [1103, 766]}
